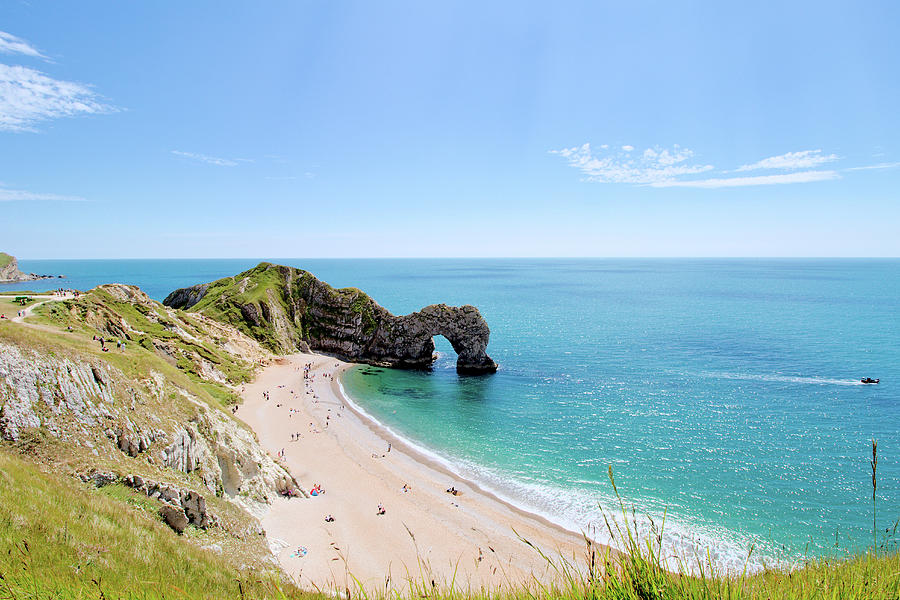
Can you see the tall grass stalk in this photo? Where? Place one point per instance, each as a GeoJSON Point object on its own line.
{"type": "Point", "coordinates": [874, 463]}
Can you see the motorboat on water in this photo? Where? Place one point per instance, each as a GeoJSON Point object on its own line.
{"type": "Point", "coordinates": [869, 380]}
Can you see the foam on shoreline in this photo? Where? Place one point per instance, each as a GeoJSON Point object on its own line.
{"type": "Point", "coordinates": [685, 544]}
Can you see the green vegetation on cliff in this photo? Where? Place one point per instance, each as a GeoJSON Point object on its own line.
{"type": "Point", "coordinates": [288, 309]}
{"type": "Point", "coordinates": [193, 345]}
{"type": "Point", "coordinates": [262, 289]}
{"type": "Point", "coordinates": [71, 412]}
{"type": "Point", "coordinates": [282, 307]}
{"type": "Point", "coordinates": [5, 259]}
{"type": "Point", "coordinates": [63, 539]}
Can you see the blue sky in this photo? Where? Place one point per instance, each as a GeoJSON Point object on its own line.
{"type": "Point", "coordinates": [394, 129]}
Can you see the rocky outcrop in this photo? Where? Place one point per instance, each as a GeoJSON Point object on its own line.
{"type": "Point", "coordinates": [93, 405]}
{"type": "Point", "coordinates": [288, 309]}
{"type": "Point", "coordinates": [10, 273]}
{"type": "Point", "coordinates": [186, 297]}
{"type": "Point", "coordinates": [179, 507]}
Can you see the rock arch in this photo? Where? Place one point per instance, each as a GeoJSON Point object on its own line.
{"type": "Point", "coordinates": [408, 341]}
{"type": "Point", "coordinates": [288, 309]}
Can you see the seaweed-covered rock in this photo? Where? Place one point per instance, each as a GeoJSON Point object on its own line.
{"type": "Point", "coordinates": [288, 309]}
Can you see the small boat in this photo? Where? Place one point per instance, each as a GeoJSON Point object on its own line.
{"type": "Point", "coordinates": [869, 380]}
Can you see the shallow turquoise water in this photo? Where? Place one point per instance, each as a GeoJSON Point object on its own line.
{"type": "Point", "coordinates": [725, 391]}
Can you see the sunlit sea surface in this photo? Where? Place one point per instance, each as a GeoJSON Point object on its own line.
{"type": "Point", "coordinates": [724, 392]}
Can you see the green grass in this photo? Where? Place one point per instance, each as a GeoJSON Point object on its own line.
{"type": "Point", "coordinates": [223, 301]}
{"type": "Point", "coordinates": [94, 311]}
{"type": "Point", "coordinates": [61, 539]}
{"type": "Point", "coordinates": [5, 259]}
{"type": "Point", "coordinates": [268, 287]}
{"type": "Point", "coordinates": [8, 304]}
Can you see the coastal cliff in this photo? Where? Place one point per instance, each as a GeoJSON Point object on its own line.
{"type": "Point", "coordinates": [123, 405]}
{"type": "Point", "coordinates": [10, 273]}
{"type": "Point", "coordinates": [289, 310]}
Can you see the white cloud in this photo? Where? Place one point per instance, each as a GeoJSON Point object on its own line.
{"type": "Point", "coordinates": [10, 44]}
{"type": "Point", "coordinates": [212, 160]}
{"type": "Point", "coordinates": [627, 148]}
{"type": "Point", "coordinates": [28, 97]}
{"type": "Point", "coordinates": [801, 177]}
{"type": "Point", "coordinates": [892, 165]}
{"type": "Point", "coordinates": [7, 195]}
{"type": "Point", "coordinates": [805, 159]}
{"type": "Point", "coordinates": [653, 165]}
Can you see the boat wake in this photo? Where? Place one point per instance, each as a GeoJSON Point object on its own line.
{"type": "Point", "coordinates": [781, 378]}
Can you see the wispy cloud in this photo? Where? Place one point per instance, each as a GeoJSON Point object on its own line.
{"type": "Point", "coordinates": [890, 165]}
{"type": "Point", "coordinates": [10, 44]}
{"type": "Point", "coordinates": [724, 182]}
{"type": "Point", "coordinates": [622, 166]}
{"type": "Point", "coordinates": [804, 159]}
{"type": "Point", "coordinates": [676, 167]}
{"type": "Point", "coordinates": [7, 195]}
{"type": "Point", "coordinates": [28, 97]}
{"type": "Point", "coordinates": [212, 160]}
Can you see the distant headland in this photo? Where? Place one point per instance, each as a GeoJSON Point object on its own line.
{"type": "Point", "coordinates": [10, 273]}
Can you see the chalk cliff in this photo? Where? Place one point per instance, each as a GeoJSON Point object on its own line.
{"type": "Point", "coordinates": [288, 309]}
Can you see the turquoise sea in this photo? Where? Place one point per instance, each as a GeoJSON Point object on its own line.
{"type": "Point", "coordinates": [725, 392]}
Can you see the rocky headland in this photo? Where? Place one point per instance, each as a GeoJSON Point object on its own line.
{"type": "Point", "coordinates": [10, 273]}
{"type": "Point", "coordinates": [153, 414]}
{"type": "Point", "coordinates": [289, 310]}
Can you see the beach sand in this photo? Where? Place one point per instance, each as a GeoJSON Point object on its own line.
{"type": "Point", "coordinates": [469, 540]}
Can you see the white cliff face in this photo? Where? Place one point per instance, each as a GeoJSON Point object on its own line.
{"type": "Point", "coordinates": [91, 404]}
{"type": "Point", "coordinates": [36, 391]}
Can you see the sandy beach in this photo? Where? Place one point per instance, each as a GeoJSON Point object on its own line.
{"type": "Point", "coordinates": [468, 540]}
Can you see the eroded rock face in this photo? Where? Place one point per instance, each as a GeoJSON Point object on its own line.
{"type": "Point", "coordinates": [95, 405]}
{"type": "Point", "coordinates": [9, 271]}
{"type": "Point", "coordinates": [289, 310]}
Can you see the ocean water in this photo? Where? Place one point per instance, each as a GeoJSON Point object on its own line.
{"type": "Point", "coordinates": [723, 392]}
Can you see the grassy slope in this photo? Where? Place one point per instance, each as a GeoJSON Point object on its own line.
{"type": "Point", "coordinates": [5, 259]}
{"type": "Point", "coordinates": [155, 324]}
{"type": "Point", "coordinates": [61, 539]}
{"type": "Point", "coordinates": [224, 298]}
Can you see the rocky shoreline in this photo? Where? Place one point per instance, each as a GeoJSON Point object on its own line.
{"type": "Point", "coordinates": [10, 273]}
